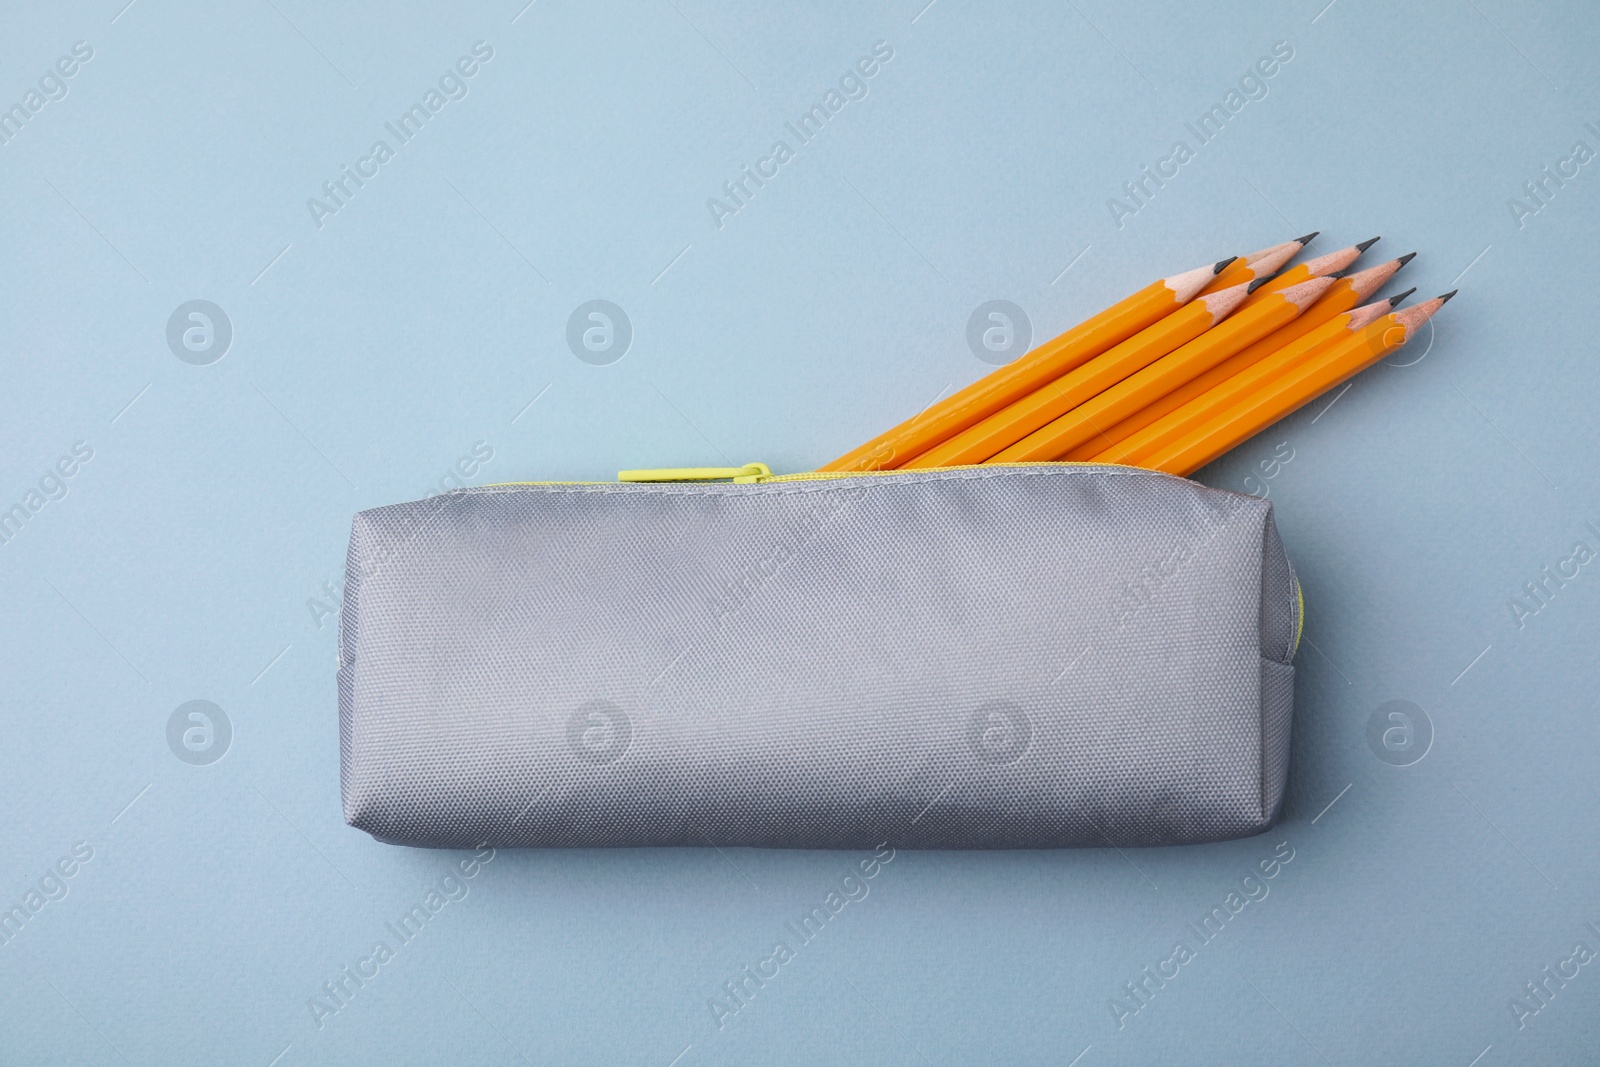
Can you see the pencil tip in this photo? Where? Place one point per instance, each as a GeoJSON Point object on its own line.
{"type": "Point", "coordinates": [1258, 283]}
{"type": "Point", "coordinates": [1303, 241]}
{"type": "Point", "coordinates": [1364, 245]}
{"type": "Point", "coordinates": [1445, 297]}
{"type": "Point", "coordinates": [1394, 301]}
{"type": "Point", "coordinates": [1222, 264]}
{"type": "Point", "coordinates": [1407, 258]}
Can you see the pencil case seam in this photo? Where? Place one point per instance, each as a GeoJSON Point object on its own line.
{"type": "Point", "coordinates": [818, 486]}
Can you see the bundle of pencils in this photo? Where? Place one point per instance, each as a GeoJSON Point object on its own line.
{"type": "Point", "coordinates": [1173, 376]}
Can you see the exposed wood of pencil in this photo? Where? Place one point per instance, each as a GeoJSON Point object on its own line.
{"type": "Point", "coordinates": [1346, 293]}
{"type": "Point", "coordinates": [1256, 265]}
{"type": "Point", "coordinates": [1319, 267]}
{"type": "Point", "coordinates": [948, 417]}
{"type": "Point", "coordinates": [1293, 390]}
{"type": "Point", "coordinates": [1014, 422]}
{"type": "Point", "coordinates": [1248, 325]}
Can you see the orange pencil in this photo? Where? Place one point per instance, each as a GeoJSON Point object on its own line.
{"type": "Point", "coordinates": [1014, 422]}
{"type": "Point", "coordinates": [1319, 267]}
{"type": "Point", "coordinates": [1347, 292]}
{"type": "Point", "coordinates": [1298, 387]}
{"type": "Point", "coordinates": [1257, 265]}
{"type": "Point", "coordinates": [1248, 325]}
{"type": "Point", "coordinates": [1190, 416]}
{"type": "Point", "coordinates": [943, 420]}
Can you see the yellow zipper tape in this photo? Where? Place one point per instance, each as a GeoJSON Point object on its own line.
{"type": "Point", "coordinates": [1300, 618]}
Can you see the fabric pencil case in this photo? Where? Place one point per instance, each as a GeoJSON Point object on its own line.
{"type": "Point", "coordinates": [1030, 655]}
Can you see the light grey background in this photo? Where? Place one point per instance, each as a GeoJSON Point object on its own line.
{"type": "Point", "coordinates": [196, 555]}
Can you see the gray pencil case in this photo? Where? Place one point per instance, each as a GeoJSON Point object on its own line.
{"type": "Point", "coordinates": [1018, 656]}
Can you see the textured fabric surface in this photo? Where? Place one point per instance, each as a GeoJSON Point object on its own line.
{"type": "Point", "coordinates": [1008, 657]}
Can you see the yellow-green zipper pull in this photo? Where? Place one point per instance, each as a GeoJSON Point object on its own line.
{"type": "Point", "coordinates": [750, 472]}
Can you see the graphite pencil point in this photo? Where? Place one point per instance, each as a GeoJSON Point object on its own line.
{"type": "Point", "coordinates": [1303, 241]}
{"type": "Point", "coordinates": [1407, 258]}
{"type": "Point", "coordinates": [1445, 297]}
{"type": "Point", "coordinates": [1258, 283]}
{"type": "Point", "coordinates": [1394, 301]}
{"type": "Point", "coordinates": [1222, 264]}
{"type": "Point", "coordinates": [1364, 245]}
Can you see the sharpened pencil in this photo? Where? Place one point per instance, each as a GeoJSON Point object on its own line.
{"type": "Point", "coordinates": [1297, 386]}
{"type": "Point", "coordinates": [1192, 415]}
{"type": "Point", "coordinates": [1347, 292]}
{"type": "Point", "coordinates": [1245, 327]}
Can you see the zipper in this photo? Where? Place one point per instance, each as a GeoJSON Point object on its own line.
{"type": "Point", "coordinates": [749, 474]}
{"type": "Point", "coordinates": [761, 474]}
